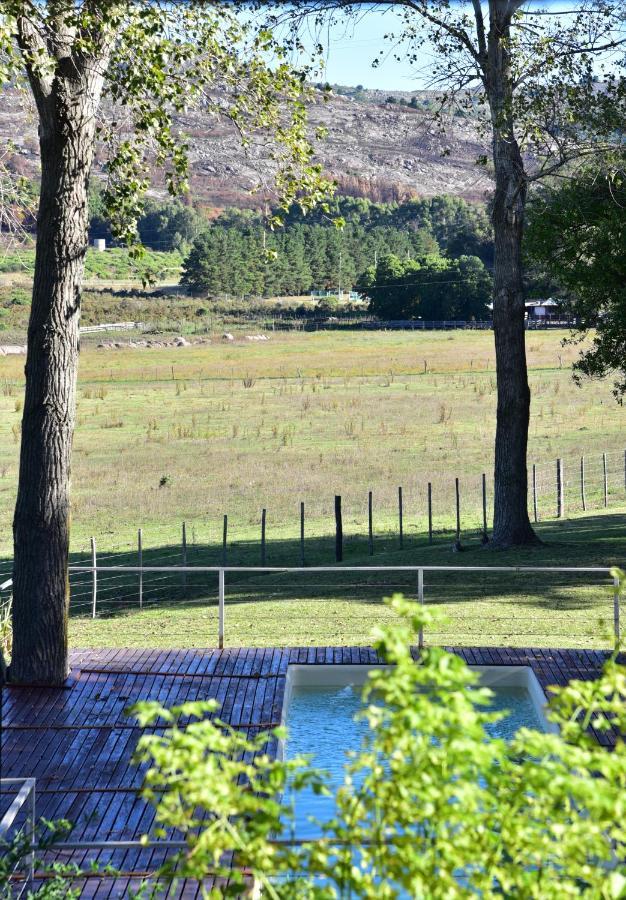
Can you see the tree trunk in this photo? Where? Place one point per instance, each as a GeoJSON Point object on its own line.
{"type": "Point", "coordinates": [41, 524]}
{"type": "Point", "coordinates": [511, 523]}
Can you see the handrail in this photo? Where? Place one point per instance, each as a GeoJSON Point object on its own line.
{"type": "Point", "coordinates": [221, 571]}
{"type": "Point", "coordinates": [414, 568]}
{"type": "Point", "coordinates": [26, 794]}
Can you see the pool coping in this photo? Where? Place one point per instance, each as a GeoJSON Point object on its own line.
{"type": "Point", "coordinates": [314, 674]}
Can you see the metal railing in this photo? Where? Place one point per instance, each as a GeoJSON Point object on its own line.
{"type": "Point", "coordinates": [312, 570]}
{"type": "Point", "coordinates": [25, 797]}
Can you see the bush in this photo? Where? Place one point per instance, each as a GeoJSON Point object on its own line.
{"type": "Point", "coordinates": [430, 807]}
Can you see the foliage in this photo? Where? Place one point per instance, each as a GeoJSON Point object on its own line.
{"type": "Point", "coordinates": [158, 60]}
{"type": "Point", "coordinates": [429, 288]}
{"type": "Point", "coordinates": [15, 853]}
{"type": "Point", "coordinates": [6, 633]}
{"type": "Point", "coordinates": [221, 790]}
{"type": "Point", "coordinates": [290, 262]}
{"type": "Point", "coordinates": [163, 225]}
{"type": "Point", "coordinates": [458, 227]}
{"type": "Point", "coordinates": [431, 805]}
{"type": "Point", "coordinates": [237, 255]}
{"type": "Point", "coordinates": [577, 236]}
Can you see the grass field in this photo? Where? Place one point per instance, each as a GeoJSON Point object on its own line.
{"type": "Point", "coordinates": [115, 264]}
{"type": "Point", "coordinates": [193, 433]}
{"type": "Point", "coordinates": [190, 434]}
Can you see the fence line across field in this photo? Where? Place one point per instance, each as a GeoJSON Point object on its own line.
{"type": "Point", "coordinates": [575, 482]}
{"type": "Point", "coordinates": [419, 571]}
{"type": "Point", "coordinates": [570, 483]}
{"type": "Point", "coordinates": [569, 478]}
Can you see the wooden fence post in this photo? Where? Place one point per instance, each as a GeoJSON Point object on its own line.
{"type": "Point", "coordinates": [263, 515]}
{"type": "Point", "coordinates": [485, 537]}
{"type": "Point", "coordinates": [224, 540]}
{"type": "Point", "coordinates": [338, 530]}
{"type": "Point", "coordinates": [302, 534]}
{"type": "Point", "coordinates": [457, 491]}
{"type": "Point", "coordinates": [183, 548]}
{"type": "Point", "coordinates": [94, 578]}
{"type": "Point", "coordinates": [582, 484]}
{"type": "Point", "coordinates": [140, 563]}
{"type": "Point", "coordinates": [400, 523]}
{"type": "Point", "coordinates": [535, 493]}
{"type": "Point", "coordinates": [370, 523]}
{"type": "Point", "coordinates": [605, 477]}
{"type": "Point", "coordinates": [560, 499]}
{"type": "Point", "coordinates": [430, 513]}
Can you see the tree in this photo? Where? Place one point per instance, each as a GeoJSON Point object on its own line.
{"type": "Point", "coordinates": [577, 236]}
{"type": "Point", "coordinates": [310, 252]}
{"type": "Point", "coordinates": [432, 287]}
{"type": "Point", "coordinates": [133, 65]}
{"type": "Point", "coordinates": [535, 75]}
{"type": "Point", "coordinates": [168, 225]}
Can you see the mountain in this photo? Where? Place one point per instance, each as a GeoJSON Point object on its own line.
{"type": "Point", "coordinates": [377, 146]}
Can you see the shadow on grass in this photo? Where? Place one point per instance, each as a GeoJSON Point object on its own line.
{"type": "Point", "coordinates": [594, 540]}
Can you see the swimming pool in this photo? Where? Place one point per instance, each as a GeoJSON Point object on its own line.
{"type": "Point", "coordinates": [321, 702]}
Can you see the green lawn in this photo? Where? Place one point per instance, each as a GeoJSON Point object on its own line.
{"type": "Point", "coordinates": [299, 609]}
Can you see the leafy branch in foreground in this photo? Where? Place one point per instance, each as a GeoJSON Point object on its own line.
{"type": "Point", "coordinates": [432, 804]}
{"type": "Point", "coordinates": [222, 790]}
{"type": "Point", "coordinates": [14, 856]}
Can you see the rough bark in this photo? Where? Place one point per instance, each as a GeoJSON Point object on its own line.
{"type": "Point", "coordinates": [66, 104]}
{"type": "Point", "coordinates": [511, 523]}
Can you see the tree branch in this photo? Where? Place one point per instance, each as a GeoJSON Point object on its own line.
{"type": "Point", "coordinates": [458, 33]}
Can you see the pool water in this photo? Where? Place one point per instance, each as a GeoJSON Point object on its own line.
{"type": "Point", "coordinates": [320, 721]}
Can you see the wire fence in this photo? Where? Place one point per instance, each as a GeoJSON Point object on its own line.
{"type": "Point", "coordinates": [421, 514]}
{"type": "Point", "coordinates": [282, 603]}
{"type": "Point", "coordinates": [337, 605]}
{"type": "Point", "coordinates": [150, 568]}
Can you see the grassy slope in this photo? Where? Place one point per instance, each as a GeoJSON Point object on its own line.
{"type": "Point", "coordinates": [114, 264]}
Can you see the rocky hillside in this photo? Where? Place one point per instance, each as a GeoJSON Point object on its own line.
{"type": "Point", "coordinates": [377, 146]}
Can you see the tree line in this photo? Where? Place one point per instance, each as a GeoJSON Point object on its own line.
{"type": "Point", "coordinates": [238, 255]}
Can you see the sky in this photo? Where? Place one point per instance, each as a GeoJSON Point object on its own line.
{"type": "Point", "coordinates": [351, 46]}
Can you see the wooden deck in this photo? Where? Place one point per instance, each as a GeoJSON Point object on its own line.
{"type": "Point", "coordinates": [77, 742]}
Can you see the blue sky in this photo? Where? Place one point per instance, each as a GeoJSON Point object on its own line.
{"type": "Point", "coordinates": [351, 47]}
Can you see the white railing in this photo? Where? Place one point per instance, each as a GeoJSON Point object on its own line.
{"type": "Point", "coordinates": [25, 797]}
{"type": "Point", "coordinates": [311, 570]}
